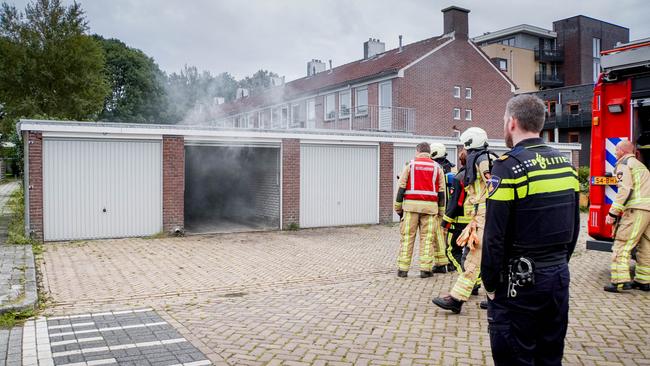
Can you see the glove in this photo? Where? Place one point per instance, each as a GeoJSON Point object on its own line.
{"type": "Point", "coordinates": [400, 213]}
{"type": "Point", "coordinates": [469, 237]}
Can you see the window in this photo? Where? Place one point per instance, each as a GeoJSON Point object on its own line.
{"type": "Point", "coordinates": [285, 117]}
{"type": "Point", "coordinates": [503, 64]}
{"type": "Point", "coordinates": [361, 101]}
{"type": "Point", "coordinates": [574, 109]}
{"type": "Point", "coordinates": [574, 137]}
{"type": "Point", "coordinates": [330, 108]}
{"type": "Point", "coordinates": [311, 110]}
{"type": "Point", "coordinates": [596, 57]}
{"type": "Point", "coordinates": [456, 91]}
{"type": "Point", "coordinates": [551, 108]}
{"type": "Point", "coordinates": [507, 41]}
{"type": "Point", "coordinates": [468, 115]}
{"type": "Point", "coordinates": [344, 104]}
{"type": "Point", "coordinates": [468, 93]}
{"type": "Point", "coordinates": [295, 115]}
{"type": "Point", "coordinates": [456, 113]}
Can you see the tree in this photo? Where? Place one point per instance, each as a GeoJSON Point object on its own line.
{"type": "Point", "coordinates": [260, 80]}
{"type": "Point", "coordinates": [48, 65]}
{"type": "Point", "coordinates": [137, 85]}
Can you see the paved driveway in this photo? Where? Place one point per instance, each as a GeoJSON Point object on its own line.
{"type": "Point", "coordinates": [326, 296]}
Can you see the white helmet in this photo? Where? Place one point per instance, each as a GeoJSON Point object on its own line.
{"type": "Point", "coordinates": [438, 150]}
{"type": "Point", "coordinates": [474, 138]}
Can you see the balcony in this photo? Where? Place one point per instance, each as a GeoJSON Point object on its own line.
{"type": "Point", "coordinates": [549, 55]}
{"type": "Point", "coordinates": [582, 119]}
{"type": "Point", "coordinates": [549, 80]}
{"type": "Point", "coordinates": [363, 118]}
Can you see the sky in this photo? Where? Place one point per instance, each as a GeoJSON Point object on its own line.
{"type": "Point", "coordinates": [243, 36]}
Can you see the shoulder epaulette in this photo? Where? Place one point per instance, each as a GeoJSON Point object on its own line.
{"type": "Point", "coordinates": [503, 157]}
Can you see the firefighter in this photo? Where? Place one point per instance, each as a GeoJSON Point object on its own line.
{"type": "Point", "coordinates": [439, 155]}
{"type": "Point", "coordinates": [533, 222]}
{"type": "Point", "coordinates": [457, 215]}
{"type": "Point", "coordinates": [630, 213]}
{"type": "Point", "coordinates": [420, 202]}
{"type": "Point", "coordinates": [477, 172]}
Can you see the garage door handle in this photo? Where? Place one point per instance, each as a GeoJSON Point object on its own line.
{"type": "Point", "coordinates": [104, 210]}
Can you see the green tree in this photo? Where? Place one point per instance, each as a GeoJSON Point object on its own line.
{"type": "Point", "coordinates": [260, 80]}
{"type": "Point", "coordinates": [48, 64]}
{"type": "Point", "coordinates": [137, 85]}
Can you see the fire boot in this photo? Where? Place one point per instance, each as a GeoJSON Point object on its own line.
{"type": "Point", "coordinates": [641, 286]}
{"type": "Point", "coordinates": [449, 303]}
{"type": "Point", "coordinates": [402, 274]}
{"type": "Point", "coordinates": [475, 289]}
{"type": "Point", "coordinates": [440, 269]}
{"type": "Point", "coordinates": [618, 287]}
{"type": "Point", "coordinates": [426, 274]}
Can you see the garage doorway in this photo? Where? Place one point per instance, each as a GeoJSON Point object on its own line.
{"type": "Point", "coordinates": [232, 188]}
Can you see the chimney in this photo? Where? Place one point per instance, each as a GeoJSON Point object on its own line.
{"type": "Point", "coordinates": [372, 47]}
{"type": "Point", "coordinates": [315, 66]}
{"type": "Point", "coordinates": [400, 43]}
{"type": "Point", "coordinates": [330, 65]}
{"type": "Point", "coordinates": [455, 20]}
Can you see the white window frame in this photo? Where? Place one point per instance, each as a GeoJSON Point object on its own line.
{"type": "Point", "coordinates": [505, 62]}
{"type": "Point", "coordinates": [311, 110]}
{"type": "Point", "coordinates": [456, 91]}
{"type": "Point", "coordinates": [326, 109]}
{"type": "Point", "coordinates": [342, 95]}
{"type": "Point", "coordinates": [466, 115]}
{"type": "Point", "coordinates": [357, 111]}
{"type": "Point", "coordinates": [294, 116]}
{"type": "Point", "coordinates": [456, 114]}
{"type": "Point", "coordinates": [468, 93]}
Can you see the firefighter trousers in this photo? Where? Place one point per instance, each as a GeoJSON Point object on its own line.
{"type": "Point", "coordinates": [633, 231]}
{"type": "Point", "coordinates": [432, 244]}
{"type": "Point", "coordinates": [454, 252]}
{"type": "Point", "coordinates": [472, 267]}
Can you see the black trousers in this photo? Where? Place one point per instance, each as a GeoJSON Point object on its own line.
{"type": "Point", "coordinates": [454, 252]}
{"type": "Point", "coordinates": [529, 329]}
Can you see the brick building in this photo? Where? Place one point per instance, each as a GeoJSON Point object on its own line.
{"type": "Point", "coordinates": [436, 86]}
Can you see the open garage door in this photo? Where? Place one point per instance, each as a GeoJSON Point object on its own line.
{"type": "Point", "coordinates": [101, 189]}
{"type": "Point", "coordinates": [338, 185]}
{"type": "Point", "coordinates": [232, 188]}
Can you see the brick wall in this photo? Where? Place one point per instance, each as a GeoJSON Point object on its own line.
{"type": "Point", "coordinates": [35, 184]}
{"type": "Point", "coordinates": [386, 151]}
{"type": "Point", "coordinates": [290, 182]}
{"type": "Point", "coordinates": [265, 186]}
{"type": "Point", "coordinates": [173, 182]}
{"type": "Point", "coordinates": [428, 87]}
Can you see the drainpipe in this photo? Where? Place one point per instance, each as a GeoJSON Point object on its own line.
{"type": "Point", "coordinates": [351, 109]}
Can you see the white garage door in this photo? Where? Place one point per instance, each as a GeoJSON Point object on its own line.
{"type": "Point", "coordinates": [101, 189]}
{"type": "Point", "coordinates": [338, 185]}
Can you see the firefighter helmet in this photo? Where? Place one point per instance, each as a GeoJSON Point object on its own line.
{"type": "Point", "coordinates": [474, 138]}
{"type": "Point", "coordinates": [438, 150]}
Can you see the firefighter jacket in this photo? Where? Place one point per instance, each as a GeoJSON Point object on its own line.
{"type": "Point", "coordinates": [421, 187]}
{"type": "Point", "coordinates": [532, 210]}
{"type": "Point", "coordinates": [633, 186]}
{"type": "Point", "coordinates": [476, 188]}
{"type": "Point", "coordinates": [459, 211]}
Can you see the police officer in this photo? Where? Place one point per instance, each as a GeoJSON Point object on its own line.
{"type": "Point", "coordinates": [420, 202]}
{"type": "Point", "coordinates": [531, 231]}
{"type": "Point", "coordinates": [631, 211]}
{"type": "Point", "coordinates": [474, 139]}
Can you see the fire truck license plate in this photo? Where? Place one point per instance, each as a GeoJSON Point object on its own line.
{"type": "Point", "coordinates": [603, 181]}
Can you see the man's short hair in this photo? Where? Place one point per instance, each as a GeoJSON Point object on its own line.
{"type": "Point", "coordinates": [423, 147]}
{"type": "Point", "coordinates": [529, 110]}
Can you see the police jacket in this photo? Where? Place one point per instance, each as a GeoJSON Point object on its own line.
{"type": "Point", "coordinates": [532, 210]}
{"type": "Point", "coordinates": [633, 186]}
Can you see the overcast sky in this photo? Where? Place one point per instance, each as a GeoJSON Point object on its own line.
{"type": "Point", "coordinates": [243, 36]}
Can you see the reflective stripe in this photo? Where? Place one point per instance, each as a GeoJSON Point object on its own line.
{"type": "Point", "coordinates": [424, 193]}
{"type": "Point", "coordinates": [412, 174]}
{"type": "Point", "coordinates": [536, 187]}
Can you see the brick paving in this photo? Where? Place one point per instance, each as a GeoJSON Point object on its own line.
{"type": "Point", "coordinates": [325, 296]}
{"type": "Point", "coordinates": [17, 272]}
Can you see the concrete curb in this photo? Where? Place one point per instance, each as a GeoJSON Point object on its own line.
{"type": "Point", "coordinates": [30, 291]}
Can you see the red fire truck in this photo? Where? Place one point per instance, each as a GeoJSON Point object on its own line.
{"type": "Point", "coordinates": [620, 110]}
